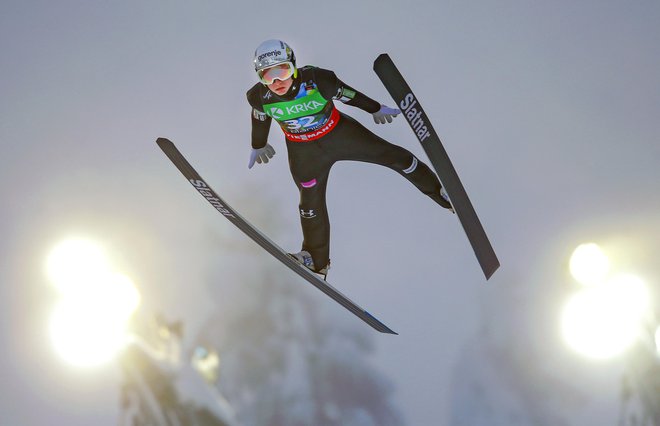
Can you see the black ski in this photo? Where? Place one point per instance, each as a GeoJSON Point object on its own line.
{"type": "Point", "coordinates": [220, 205]}
{"type": "Point", "coordinates": [421, 126]}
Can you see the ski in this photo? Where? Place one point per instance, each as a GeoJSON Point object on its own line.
{"type": "Point", "coordinates": [232, 215]}
{"type": "Point", "coordinates": [421, 126]}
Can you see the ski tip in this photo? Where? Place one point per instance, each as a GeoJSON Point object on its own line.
{"type": "Point", "coordinates": [163, 141]}
{"type": "Point", "coordinates": [382, 57]}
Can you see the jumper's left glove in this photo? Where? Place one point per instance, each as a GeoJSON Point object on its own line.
{"type": "Point", "coordinates": [385, 114]}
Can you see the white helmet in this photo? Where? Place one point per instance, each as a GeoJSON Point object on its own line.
{"type": "Point", "coordinates": [273, 52]}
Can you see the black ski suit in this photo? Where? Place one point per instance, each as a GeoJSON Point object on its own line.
{"type": "Point", "coordinates": [317, 135]}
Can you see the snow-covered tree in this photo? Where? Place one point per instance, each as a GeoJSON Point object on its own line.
{"type": "Point", "coordinates": [285, 359]}
{"type": "Point", "coordinates": [508, 373]}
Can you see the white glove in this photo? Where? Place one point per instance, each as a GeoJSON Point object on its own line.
{"type": "Point", "coordinates": [385, 113]}
{"type": "Point", "coordinates": [261, 155]}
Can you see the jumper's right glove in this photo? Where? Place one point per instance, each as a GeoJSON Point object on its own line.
{"type": "Point", "coordinates": [385, 113]}
{"type": "Point", "coordinates": [261, 155]}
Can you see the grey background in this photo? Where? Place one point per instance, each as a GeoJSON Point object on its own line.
{"type": "Point", "coordinates": [550, 112]}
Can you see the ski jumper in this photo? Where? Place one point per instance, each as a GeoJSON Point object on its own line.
{"type": "Point", "coordinates": [318, 135]}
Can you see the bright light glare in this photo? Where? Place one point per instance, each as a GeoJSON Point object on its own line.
{"type": "Point", "coordinates": [603, 321]}
{"type": "Point", "coordinates": [118, 294]}
{"type": "Point", "coordinates": [83, 335]}
{"type": "Point", "coordinates": [588, 264]}
{"type": "Point", "coordinates": [88, 326]}
{"type": "Point", "coordinates": [657, 340]}
{"type": "Point", "coordinates": [75, 262]}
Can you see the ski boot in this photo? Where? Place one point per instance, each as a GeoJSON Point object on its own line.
{"type": "Point", "coordinates": [445, 197]}
{"type": "Point", "coordinates": [304, 258]}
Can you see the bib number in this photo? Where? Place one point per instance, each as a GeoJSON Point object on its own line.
{"type": "Point", "coordinates": [302, 123]}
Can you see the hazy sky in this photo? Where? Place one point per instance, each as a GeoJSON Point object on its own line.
{"type": "Point", "coordinates": [549, 110]}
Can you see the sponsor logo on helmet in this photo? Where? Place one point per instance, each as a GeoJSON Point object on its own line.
{"type": "Point", "coordinates": [269, 54]}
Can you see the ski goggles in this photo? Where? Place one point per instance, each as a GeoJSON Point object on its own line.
{"type": "Point", "coordinates": [280, 72]}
